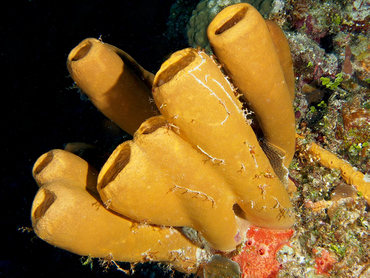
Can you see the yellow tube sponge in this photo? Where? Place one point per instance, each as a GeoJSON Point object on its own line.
{"type": "Point", "coordinates": [193, 95]}
{"type": "Point", "coordinates": [68, 215]}
{"type": "Point", "coordinates": [283, 51]}
{"type": "Point", "coordinates": [242, 42]}
{"type": "Point", "coordinates": [158, 178]}
{"type": "Point", "coordinates": [116, 84]}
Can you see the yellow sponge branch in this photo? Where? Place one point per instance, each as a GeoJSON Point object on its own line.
{"type": "Point", "coordinates": [242, 42]}
{"type": "Point", "coordinates": [193, 95]}
{"type": "Point", "coordinates": [349, 173]}
{"type": "Point", "coordinates": [117, 85]}
{"type": "Point", "coordinates": [65, 214]}
{"type": "Point", "coordinates": [166, 182]}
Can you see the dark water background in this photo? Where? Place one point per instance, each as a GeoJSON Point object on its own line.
{"type": "Point", "coordinates": [39, 112]}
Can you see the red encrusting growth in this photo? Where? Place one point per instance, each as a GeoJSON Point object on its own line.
{"type": "Point", "coordinates": [324, 262]}
{"type": "Point", "coordinates": [258, 256]}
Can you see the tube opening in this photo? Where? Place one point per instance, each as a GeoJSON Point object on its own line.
{"type": "Point", "coordinates": [81, 51]}
{"type": "Point", "coordinates": [238, 211]}
{"type": "Point", "coordinates": [48, 199]}
{"type": "Point", "coordinates": [238, 16]}
{"type": "Point", "coordinates": [122, 158]}
{"type": "Point", "coordinates": [151, 125]}
{"type": "Point", "coordinates": [168, 73]}
{"type": "Point", "coordinates": [43, 163]}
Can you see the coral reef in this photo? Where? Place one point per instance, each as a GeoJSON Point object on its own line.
{"type": "Point", "coordinates": [332, 232]}
{"type": "Point", "coordinates": [329, 42]}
